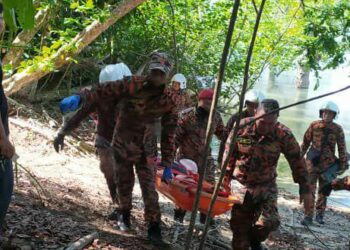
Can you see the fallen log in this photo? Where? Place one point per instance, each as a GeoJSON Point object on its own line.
{"type": "Point", "coordinates": [83, 242]}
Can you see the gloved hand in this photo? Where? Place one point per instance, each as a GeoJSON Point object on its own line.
{"type": "Point", "coordinates": [70, 103]}
{"type": "Point", "coordinates": [58, 141]}
{"type": "Point", "coordinates": [167, 175]}
{"type": "Point", "coordinates": [303, 191]}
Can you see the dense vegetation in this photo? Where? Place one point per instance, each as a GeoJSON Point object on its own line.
{"type": "Point", "coordinates": [60, 51]}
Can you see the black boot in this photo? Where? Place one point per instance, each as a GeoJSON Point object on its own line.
{"type": "Point", "coordinates": [155, 236]}
{"type": "Point", "coordinates": [179, 215]}
{"type": "Point", "coordinates": [124, 223]}
{"type": "Point", "coordinates": [307, 221]}
{"type": "Point", "coordinates": [114, 215]}
{"type": "Point", "coordinates": [319, 218]}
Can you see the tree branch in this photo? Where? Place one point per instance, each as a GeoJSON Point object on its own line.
{"type": "Point", "coordinates": [69, 50]}
{"type": "Point", "coordinates": [14, 55]}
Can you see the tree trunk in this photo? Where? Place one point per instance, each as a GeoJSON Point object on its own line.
{"type": "Point", "coordinates": [14, 55]}
{"type": "Point", "coordinates": [303, 76]}
{"type": "Point", "coordinates": [272, 77]}
{"type": "Point", "coordinates": [60, 58]}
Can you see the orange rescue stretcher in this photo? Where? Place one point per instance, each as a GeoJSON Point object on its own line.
{"type": "Point", "coordinates": [183, 187]}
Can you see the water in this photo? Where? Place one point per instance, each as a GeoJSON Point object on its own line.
{"type": "Point", "coordinates": [298, 118]}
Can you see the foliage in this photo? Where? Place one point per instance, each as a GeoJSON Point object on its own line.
{"type": "Point", "coordinates": [23, 10]}
{"type": "Point", "coordinates": [74, 16]}
{"type": "Point", "coordinates": [327, 26]}
{"type": "Point", "coordinates": [193, 33]}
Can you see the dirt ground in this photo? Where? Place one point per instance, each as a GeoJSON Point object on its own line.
{"type": "Point", "coordinates": [73, 201]}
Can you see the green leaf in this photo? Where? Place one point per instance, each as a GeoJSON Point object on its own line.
{"type": "Point", "coordinates": [89, 4]}
{"type": "Point", "coordinates": [74, 5]}
{"type": "Point", "coordinates": [23, 10]}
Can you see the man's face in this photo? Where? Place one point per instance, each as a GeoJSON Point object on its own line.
{"type": "Point", "coordinates": [205, 104]}
{"type": "Point", "coordinates": [327, 116]}
{"type": "Point", "coordinates": [266, 124]}
{"type": "Point", "coordinates": [157, 77]}
{"type": "Point", "coordinates": [251, 107]}
{"type": "Point", "coordinates": [176, 86]}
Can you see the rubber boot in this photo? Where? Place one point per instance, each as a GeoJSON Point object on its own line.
{"type": "Point", "coordinates": [179, 215]}
{"type": "Point", "coordinates": [155, 236]}
{"type": "Point", "coordinates": [123, 222]}
{"type": "Point", "coordinates": [319, 218]}
{"type": "Point", "coordinates": [114, 215]}
{"type": "Point", "coordinates": [307, 221]}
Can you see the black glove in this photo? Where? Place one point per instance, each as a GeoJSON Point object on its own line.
{"type": "Point", "coordinates": [58, 141]}
{"type": "Point", "coordinates": [326, 189]}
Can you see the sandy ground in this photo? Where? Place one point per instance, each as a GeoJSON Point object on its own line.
{"type": "Point", "coordinates": [76, 201]}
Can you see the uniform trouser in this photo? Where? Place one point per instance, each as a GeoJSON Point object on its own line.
{"type": "Point", "coordinates": [108, 168]}
{"type": "Point", "coordinates": [126, 179]}
{"type": "Point", "coordinates": [341, 184]}
{"type": "Point", "coordinates": [321, 203]}
{"type": "Point", "coordinates": [210, 169]}
{"type": "Point", "coordinates": [6, 187]}
{"type": "Point", "coordinates": [253, 221]}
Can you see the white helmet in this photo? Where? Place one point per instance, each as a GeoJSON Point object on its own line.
{"type": "Point", "coordinates": [331, 106]}
{"type": "Point", "coordinates": [254, 96]}
{"type": "Point", "coordinates": [181, 79]}
{"type": "Point", "coordinates": [114, 72]}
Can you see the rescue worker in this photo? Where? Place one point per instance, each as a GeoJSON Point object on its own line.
{"type": "Point", "coordinates": [7, 151]}
{"type": "Point", "coordinates": [179, 85]}
{"type": "Point", "coordinates": [106, 117]}
{"type": "Point", "coordinates": [256, 153]}
{"type": "Point", "coordinates": [252, 100]}
{"type": "Point", "coordinates": [190, 138]}
{"type": "Point", "coordinates": [319, 144]}
{"type": "Point", "coordinates": [140, 100]}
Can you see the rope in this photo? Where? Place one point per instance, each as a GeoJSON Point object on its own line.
{"type": "Point", "coordinates": [298, 103]}
{"type": "Point", "coordinates": [312, 232]}
{"type": "Point", "coordinates": [316, 237]}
